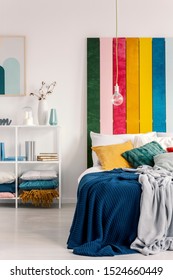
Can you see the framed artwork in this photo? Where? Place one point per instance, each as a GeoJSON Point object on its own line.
{"type": "Point", "coordinates": [12, 65]}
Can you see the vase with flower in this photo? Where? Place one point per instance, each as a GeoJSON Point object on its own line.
{"type": "Point", "coordinates": [42, 94]}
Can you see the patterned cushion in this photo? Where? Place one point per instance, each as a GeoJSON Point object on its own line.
{"type": "Point", "coordinates": [39, 184]}
{"type": "Point", "coordinates": [143, 155]}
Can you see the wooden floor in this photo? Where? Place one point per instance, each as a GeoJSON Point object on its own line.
{"type": "Point", "coordinates": [30, 233]}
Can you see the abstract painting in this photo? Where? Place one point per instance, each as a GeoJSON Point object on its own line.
{"type": "Point", "coordinates": [12, 65]}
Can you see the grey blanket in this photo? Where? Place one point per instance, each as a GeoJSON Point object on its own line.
{"type": "Point", "coordinates": [155, 227]}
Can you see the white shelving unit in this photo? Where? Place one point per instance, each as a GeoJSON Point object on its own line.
{"type": "Point", "coordinates": [47, 140]}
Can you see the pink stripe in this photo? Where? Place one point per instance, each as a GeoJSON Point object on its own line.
{"type": "Point", "coordinates": [106, 80]}
{"type": "Point", "coordinates": [119, 112]}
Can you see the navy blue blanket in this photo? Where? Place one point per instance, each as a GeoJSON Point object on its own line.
{"type": "Point", "coordinates": [106, 215]}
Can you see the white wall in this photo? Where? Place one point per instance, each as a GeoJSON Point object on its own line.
{"type": "Point", "coordinates": [56, 32]}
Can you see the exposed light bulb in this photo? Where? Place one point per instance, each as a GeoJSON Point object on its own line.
{"type": "Point", "coordinates": [117, 98]}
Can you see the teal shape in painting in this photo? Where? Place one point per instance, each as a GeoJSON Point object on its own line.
{"type": "Point", "coordinates": [12, 76]}
{"type": "Point", "coordinates": [2, 83]}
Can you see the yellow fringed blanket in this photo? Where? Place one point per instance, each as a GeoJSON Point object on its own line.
{"type": "Point", "coordinates": [39, 197]}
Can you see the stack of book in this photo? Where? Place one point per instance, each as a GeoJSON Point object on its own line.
{"type": "Point", "coordinates": [47, 157]}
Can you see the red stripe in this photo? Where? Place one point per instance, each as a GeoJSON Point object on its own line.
{"type": "Point", "coordinates": [119, 112]}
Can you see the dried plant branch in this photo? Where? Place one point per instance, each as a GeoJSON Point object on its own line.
{"type": "Point", "coordinates": [44, 90]}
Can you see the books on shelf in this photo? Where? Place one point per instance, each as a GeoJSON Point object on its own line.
{"type": "Point", "coordinates": [2, 150]}
{"type": "Point", "coordinates": [47, 157]}
{"type": "Point", "coordinates": [13, 158]}
{"type": "Point", "coordinates": [40, 156]}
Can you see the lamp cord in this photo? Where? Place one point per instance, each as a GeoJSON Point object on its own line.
{"type": "Point", "coordinates": [116, 49]}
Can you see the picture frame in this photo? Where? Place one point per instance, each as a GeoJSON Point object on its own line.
{"type": "Point", "coordinates": [12, 66]}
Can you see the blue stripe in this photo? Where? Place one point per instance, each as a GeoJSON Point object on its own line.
{"type": "Point", "coordinates": [158, 86]}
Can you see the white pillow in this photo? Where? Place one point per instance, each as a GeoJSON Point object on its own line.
{"type": "Point", "coordinates": [98, 139]}
{"type": "Point", "coordinates": [164, 160]}
{"type": "Point", "coordinates": [165, 134]}
{"type": "Point", "coordinates": [165, 142]}
{"type": "Point", "coordinates": [143, 139]}
{"type": "Point", "coordinates": [6, 177]}
{"type": "Point", "coordinates": [39, 175]}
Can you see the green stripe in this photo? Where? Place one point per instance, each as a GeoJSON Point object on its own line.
{"type": "Point", "coordinates": [93, 91]}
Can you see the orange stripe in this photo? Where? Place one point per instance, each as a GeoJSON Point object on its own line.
{"type": "Point", "coordinates": [132, 84]}
{"type": "Point", "coordinates": [145, 84]}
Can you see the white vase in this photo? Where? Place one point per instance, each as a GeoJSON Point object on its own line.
{"type": "Point", "coordinates": [43, 112]}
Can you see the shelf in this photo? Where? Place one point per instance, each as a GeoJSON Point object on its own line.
{"type": "Point", "coordinates": [29, 126]}
{"type": "Point", "coordinates": [8, 198]}
{"type": "Point", "coordinates": [47, 139]}
{"type": "Point", "coordinates": [37, 162]}
{"type": "Point", "coordinates": [29, 162]}
{"type": "Point", "coordinates": [7, 161]}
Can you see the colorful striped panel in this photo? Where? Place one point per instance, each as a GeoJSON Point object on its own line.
{"type": "Point", "coordinates": [158, 88]}
{"type": "Point", "coordinates": [119, 112]}
{"type": "Point", "coordinates": [132, 84]}
{"type": "Point", "coordinates": [145, 80]}
{"type": "Point", "coordinates": [145, 84]}
{"type": "Point", "coordinates": [106, 81]}
{"type": "Point", "coordinates": [169, 83]}
{"type": "Point", "coordinates": [93, 90]}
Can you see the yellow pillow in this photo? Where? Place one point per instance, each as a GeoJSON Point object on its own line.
{"type": "Point", "coordinates": [110, 155]}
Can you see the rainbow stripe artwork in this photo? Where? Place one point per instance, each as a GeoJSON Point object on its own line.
{"type": "Point", "coordinates": [145, 78]}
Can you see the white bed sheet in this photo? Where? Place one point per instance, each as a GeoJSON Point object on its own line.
{"type": "Point", "coordinates": [90, 170]}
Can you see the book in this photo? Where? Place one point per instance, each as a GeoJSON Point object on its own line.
{"type": "Point", "coordinates": [47, 159]}
{"type": "Point", "coordinates": [2, 150]}
{"type": "Point", "coordinates": [47, 154]}
{"type": "Point", "coordinates": [19, 158]}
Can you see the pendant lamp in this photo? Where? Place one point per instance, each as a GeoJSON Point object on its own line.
{"type": "Point", "coordinates": [117, 98]}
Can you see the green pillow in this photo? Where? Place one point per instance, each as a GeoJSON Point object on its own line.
{"type": "Point", "coordinates": [144, 154]}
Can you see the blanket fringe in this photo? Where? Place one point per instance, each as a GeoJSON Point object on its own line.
{"type": "Point", "coordinates": [42, 198]}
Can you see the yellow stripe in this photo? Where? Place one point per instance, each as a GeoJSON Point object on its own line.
{"type": "Point", "coordinates": [145, 84]}
{"type": "Point", "coordinates": [132, 84]}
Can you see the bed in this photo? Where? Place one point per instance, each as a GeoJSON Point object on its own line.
{"type": "Point", "coordinates": [124, 201]}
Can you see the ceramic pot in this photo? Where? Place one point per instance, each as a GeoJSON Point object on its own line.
{"type": "Point", "coordinates": [53, 117]}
